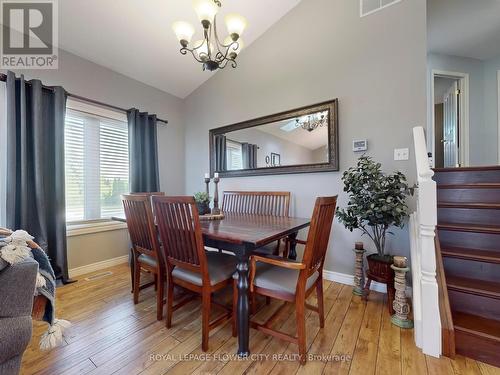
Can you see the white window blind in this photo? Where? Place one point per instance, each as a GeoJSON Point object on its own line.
{"type": "Point", "coordinates": [97, 165]}
{"type": "Point", "coordinates": [234, 155]}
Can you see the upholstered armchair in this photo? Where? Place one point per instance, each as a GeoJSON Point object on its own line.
{"type": "Point", "coordinates": [17, 287]}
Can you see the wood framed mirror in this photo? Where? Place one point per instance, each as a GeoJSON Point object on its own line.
{"type": "Point", "coordinates": [302, 140]}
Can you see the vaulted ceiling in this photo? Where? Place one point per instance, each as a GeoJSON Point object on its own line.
{"type": "Point", "coordinates": [135, 37]}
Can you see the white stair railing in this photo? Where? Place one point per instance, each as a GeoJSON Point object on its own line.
{"type": "Point", "coordinates": [423, 254]}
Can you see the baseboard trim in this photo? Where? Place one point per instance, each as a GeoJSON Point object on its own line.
{"type": "Point", "coordinates": [78, 271]}
{"type": "Point", "coordinates": [347, 279]}
{"type": "Point", "coordinates": [342, 278]}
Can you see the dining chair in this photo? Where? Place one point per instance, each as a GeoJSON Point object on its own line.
{"type": "Point", "coordinates": [148, 194]}
{"type": "Point", "coordinates": [293, 281]}
{"type": "Point", "coordinates": [146, 252]}
{"type": "Point", "coordinates": [270, 203]}
{"type": "Point", "coordinates": [188, 264]}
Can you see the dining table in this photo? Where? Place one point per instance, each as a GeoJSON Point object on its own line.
{"type": "Point", "coordinates": [243, 234]}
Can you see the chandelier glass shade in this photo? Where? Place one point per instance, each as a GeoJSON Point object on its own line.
{"type": "Point", "coordinates": [312, 122]}
{"type": "Point", "coordinates": [210, 51]}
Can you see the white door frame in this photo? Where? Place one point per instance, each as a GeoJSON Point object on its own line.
{"type": "Point", "coordinates": [463, 79]}
{"type": "Point", "coordinates": [498, 115]}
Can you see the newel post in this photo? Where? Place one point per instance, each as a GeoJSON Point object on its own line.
{"type": "Point", "coordinates": [422, 232]}
{"type": "Point", "coordinates": [431, 321]}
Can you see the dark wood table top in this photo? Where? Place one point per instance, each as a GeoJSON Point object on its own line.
{"type": "Point", "coordinates": [257, 230]}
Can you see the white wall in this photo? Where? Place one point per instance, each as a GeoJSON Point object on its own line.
{"type": "Point", "coordinates": [483, 102]}
{"type": "Point", "coordinates": [290, 153]}
{"type": "Point", "coordinates": [375, 65]}
{"type": "Point", "coordinates": [82, 77]}
{"type": "Point", "coordinates": [491, 110]}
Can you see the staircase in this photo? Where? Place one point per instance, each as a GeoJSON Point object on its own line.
{"type": "Point", "coordinates": [468, 202]}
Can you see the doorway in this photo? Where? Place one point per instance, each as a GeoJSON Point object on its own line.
{"type": "Point", "coordinates": [450, 119]}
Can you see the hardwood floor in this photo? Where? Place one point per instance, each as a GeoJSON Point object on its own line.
{"type": "Point", "coordinates": [111, 335]}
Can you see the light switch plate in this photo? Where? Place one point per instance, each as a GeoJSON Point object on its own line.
{"type": "Point", "coordinates": [401, 154]}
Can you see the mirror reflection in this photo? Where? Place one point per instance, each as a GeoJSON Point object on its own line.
{"type": "Point", "coordinates": [293, 141]}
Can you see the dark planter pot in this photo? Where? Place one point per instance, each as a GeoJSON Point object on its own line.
{"type": "Point", "coordinates": [203, 208]}
{"type": "Point", "coordinates": [380, 267]}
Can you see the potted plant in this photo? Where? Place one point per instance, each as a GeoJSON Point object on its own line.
{"type": "Point", "coordinates": [376, 202]}
{"type": "Point", "coordinates": [202, 200]}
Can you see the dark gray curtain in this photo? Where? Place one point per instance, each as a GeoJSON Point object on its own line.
{"type": "Point", "coordinates": [220, 153]}
{"type": "Point", "coordinates": [249, 155]}
{"type": "Point", "coordinates": [35, 166]}
{"type": "Point", "coordinates": [143, 152]}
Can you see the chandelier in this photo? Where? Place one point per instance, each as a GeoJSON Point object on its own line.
{"type": "Point", "coordinates": [210, 51]}
{"type": "Point", "coordinates": [311, 122]}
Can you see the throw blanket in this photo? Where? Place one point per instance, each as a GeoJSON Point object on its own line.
{"type": "Point", "coordinates": [19, 245]}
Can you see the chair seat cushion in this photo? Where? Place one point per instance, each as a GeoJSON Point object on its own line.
{"type": "Point", "coordinates": [146, 259]}
{"type": "Point", "coordinates": [260, 267]}
{"type": "Point", "coordinates": [280, 279]}
{"type": "Point", "coordinates": [221, 266]}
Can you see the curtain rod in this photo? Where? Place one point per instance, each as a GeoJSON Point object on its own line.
{"type": "Point", "coordinates": [232, 140]}
{"type": "Point", "coordinates": [3, 78]}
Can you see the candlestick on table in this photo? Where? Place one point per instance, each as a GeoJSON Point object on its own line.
{"type": "Point", "coordinates": [216, 210]}
{"type": "Point", "coordinates": [207, 183]}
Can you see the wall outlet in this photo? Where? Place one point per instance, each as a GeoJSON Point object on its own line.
{"type": "Point", "coordinates": [401, 154]}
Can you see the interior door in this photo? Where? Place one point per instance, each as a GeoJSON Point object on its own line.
{"type": "Point", "coordinates": [450, 127]}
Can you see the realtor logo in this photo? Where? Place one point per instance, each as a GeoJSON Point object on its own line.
{"type": "Point", "coordinates": [29, 34]}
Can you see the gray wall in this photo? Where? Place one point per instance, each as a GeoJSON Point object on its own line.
{"type": "Point", "coordinates": [482, 102]}
{"type": "Point", "coordinates": [290, 153]}
{"type": "Point", "coordinates": [491, 110]}
{"type": "Point", "coordinates": [82, 77]}
{"type": "Point", "coordinates": [375, 65]}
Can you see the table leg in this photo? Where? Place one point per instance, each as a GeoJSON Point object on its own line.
{"type": "Point", "coordinates": [243, 306]}
{"type": "Point", "coordinates": [293, 246]}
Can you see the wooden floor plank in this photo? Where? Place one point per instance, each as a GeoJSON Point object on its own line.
{"type": "Point", "coordinates": [364, 359]}
{"type": "Point", "coordinates": [291, 366]}
{"type": "Point", "coordinates": [274, 347]}
{"type": "Point", "coordinates": [325, 339]}
{"type": "Point", "coordinates": [488, 369]}
{"type": "Point", "coordinates": [229, 348]}
{"type": "Point", "coordinates": [111, 335]}
{"type": "Point", "coordinates": [389, 347]}
{"type": "Point", "coordinates": [346, 339]}
{"type": "Point", "coordinates": [465, 366]}
{"type": "Point", "coordinates": [438, 365]}
{"type": "Point", "coordinates": [83, 367]}
{"type": "Point", "coordinates": [412, 359]}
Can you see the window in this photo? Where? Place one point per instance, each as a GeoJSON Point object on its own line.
{"type": "Point", "coordinates": [97, 166]}
{"type": "Point", "coordinates": [368, 7]}
{"type": "Point", "coordinates": [234, 155]}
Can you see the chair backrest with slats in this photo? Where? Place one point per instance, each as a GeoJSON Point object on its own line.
{"type": "Point", "coordinates": [140, 223]}
{"type": "Point", "coordinates": [272, 203]}
{"type": "Point", "coordinates": [150, 194]}
{"type": "Point", "coordinates": [180, 232]}
{"type": "Point", "coordinates": [319, 235]}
